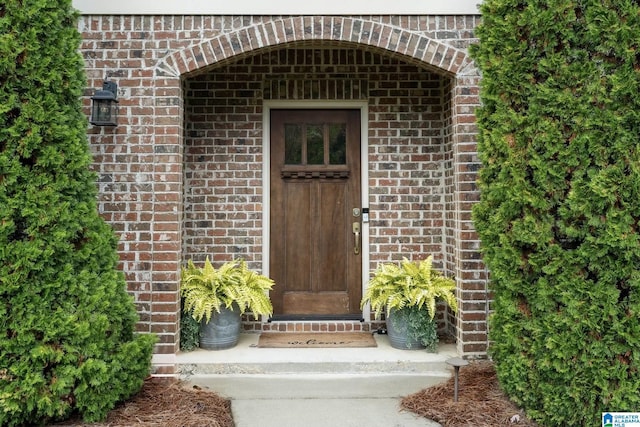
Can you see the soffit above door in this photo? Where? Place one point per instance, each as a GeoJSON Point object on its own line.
{"type": "Point", "coordinates": [278, 7]}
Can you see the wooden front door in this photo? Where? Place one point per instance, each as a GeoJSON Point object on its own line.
{"type": "Point", "coordinates": [315, 235]}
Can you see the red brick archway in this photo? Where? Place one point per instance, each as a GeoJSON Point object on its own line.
{"type": "Point", "coordinates": [415, 46]}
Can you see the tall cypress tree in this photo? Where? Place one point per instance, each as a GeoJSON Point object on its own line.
{"type": "Point", "coordinates": [559, 216]}
{"type": "Point", "coordinates": [67, 341]}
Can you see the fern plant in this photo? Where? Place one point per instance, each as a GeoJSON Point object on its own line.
{"type": "Point", "coordinates": [409, 292]}
{"type": "Point", "coordinates": [409, 284]}
{"type": "Point", "coordinates": [207, 289]}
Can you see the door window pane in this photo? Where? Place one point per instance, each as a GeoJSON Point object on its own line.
{"type": "Point", "coordinates": [315, 145]}
{"type": "Point", "coordinates": [292, 144]}
{"type": "Point", "coordinates": [337, 144]}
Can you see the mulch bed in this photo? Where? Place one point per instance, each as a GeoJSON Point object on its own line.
{"type": "Point", "coordinates": [481, 402]}
{"type": "Point", "coordinates": [164, 402]}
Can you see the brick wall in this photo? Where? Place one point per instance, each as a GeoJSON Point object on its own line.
{"type": "Point", "coordinates": [159, 192]}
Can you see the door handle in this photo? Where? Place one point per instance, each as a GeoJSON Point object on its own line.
{"type": "Point", "coordinates": [356, 235]}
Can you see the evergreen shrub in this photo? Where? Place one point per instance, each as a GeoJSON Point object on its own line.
{"type": "Point", "coordinates": [189, 330]}
{"type": "Point", "coordinates": [67, 341]}
{"type": "Point", "coordinates": [559, 215]}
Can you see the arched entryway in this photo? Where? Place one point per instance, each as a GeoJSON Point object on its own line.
{"type": "Point", "coordinates": [419, 140]}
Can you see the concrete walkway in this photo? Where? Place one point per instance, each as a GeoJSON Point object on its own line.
{"type": "Point", "coordinates": [341, 387]}
{"type": "Point", "coordinates": [320, 400]}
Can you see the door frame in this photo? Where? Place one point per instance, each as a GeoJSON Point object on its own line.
{"type": "Point", "coordinates": [363, 106]}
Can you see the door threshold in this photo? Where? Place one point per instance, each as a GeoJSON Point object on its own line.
{"type": "Point", "coordinates": [315, 317]}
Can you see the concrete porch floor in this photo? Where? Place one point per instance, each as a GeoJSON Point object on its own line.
{"type": "Point", "coordinates": [338, 387]}
{"type": "Point", "coordinates": [247, 358]}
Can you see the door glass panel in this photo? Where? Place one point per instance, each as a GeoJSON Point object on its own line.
{"type": "Point", "coordinates": [292, 144]}
{"type": "Point", "coordinates": [315, 145]}
{"type": "Point", "coordinates": [296, 145]}
{"type": "Point", "coordinates": [337, 144]}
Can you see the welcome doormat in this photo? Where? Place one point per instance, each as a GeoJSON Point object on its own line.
{"type": "Point", "coordinates": [316, 340]}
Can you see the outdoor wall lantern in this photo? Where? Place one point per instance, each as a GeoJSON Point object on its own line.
{"type": "Point", "coordinates": [104, 108]}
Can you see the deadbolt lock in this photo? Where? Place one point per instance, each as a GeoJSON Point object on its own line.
{"type": "Point", "coordinates": [356, 212]}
